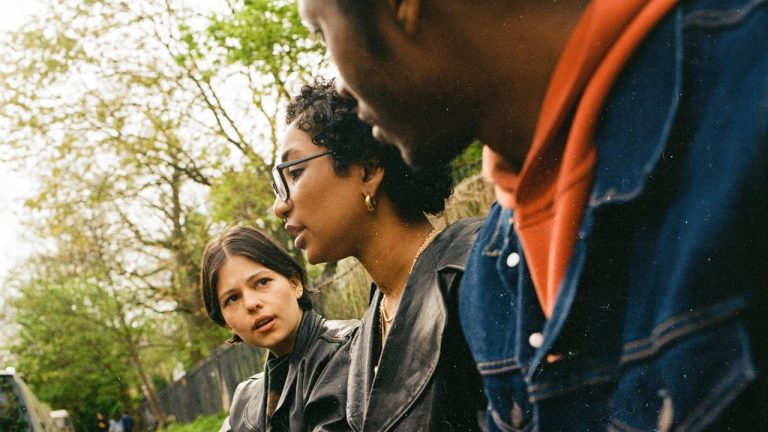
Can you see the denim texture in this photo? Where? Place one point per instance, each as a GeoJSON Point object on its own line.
{"type": "Point", "coordinates": [660, 321]}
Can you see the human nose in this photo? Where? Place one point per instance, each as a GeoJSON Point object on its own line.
{"type": "Point", "coordinates": [341, 88]}
{"type": "Point", "coordinates": [281, 208]}
{"type": "Point", "coordinates": [252, 300]}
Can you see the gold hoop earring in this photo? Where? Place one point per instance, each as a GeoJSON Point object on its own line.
{"type": "Point", "coordinates": [370, 203]}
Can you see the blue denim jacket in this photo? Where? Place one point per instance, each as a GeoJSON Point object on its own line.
{"type": "Point", "coordinates": [660, 321]}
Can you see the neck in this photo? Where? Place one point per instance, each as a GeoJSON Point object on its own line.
{"type": "Point", "coordinates": [516, 50]}
{"type": "Point", "coordinates": [389, 270]}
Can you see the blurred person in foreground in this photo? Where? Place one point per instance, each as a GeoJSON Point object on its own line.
{"type": "Point", "coordinates": [252, 286]}
{"type": "Point", "coordinates": [620, 279]}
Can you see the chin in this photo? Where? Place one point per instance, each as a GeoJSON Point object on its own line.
{"type": "Point", "coordinates": [433, 153]}
{"type": "Point", "coordinates": [312, 257]}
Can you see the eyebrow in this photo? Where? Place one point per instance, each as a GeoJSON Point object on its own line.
{"type": "Point", "coordinates": [286, 154]}
{"type": "Point", "coordinates": [255, 275]}
{"type": "Point", "coordinates": [248, 281]}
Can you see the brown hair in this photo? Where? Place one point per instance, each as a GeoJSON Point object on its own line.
{"type": "Point", "coordinates": [254, 245]}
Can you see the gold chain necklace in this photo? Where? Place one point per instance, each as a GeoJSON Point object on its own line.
{"type": "Point", "coordinates": [384, 318]}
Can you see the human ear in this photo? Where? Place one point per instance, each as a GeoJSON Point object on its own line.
{"type": "Point", "coordinates": [373, 175]}
{"type": "Point", "coordinates": [407, 13]}
{"type": "Point", "coordinates": [298, 288]}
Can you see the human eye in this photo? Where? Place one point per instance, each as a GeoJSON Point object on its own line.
{"type": "Point", "coordinates": [262, 282]}
{"type": "Point", "coordinates": [228, 300]}
{"type": "Point", "coordinates": [294, 173]}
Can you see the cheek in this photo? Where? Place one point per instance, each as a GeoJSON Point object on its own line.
{"type": "Point", "coordinates": [230, 319]}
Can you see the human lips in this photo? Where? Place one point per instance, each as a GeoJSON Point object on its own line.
{"type": "Point", "coordinates": [296, 231]}
{"type": "Point", "coordinates": [263, 324]}
{"type": "Point", "coordinates": [366, 116]}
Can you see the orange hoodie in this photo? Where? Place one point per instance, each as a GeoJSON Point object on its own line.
{"type": "Point", "coordinates": [550, 193]}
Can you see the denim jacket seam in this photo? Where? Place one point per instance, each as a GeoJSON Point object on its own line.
{"type": "Point", "coordinates": [721, 396]}
{"type": "Point", "coordinates": [492, 250]}
{"type": "Point", "coordinates": [619, 426]}
{"type": "Point", "coordinates": [499, 370]}
{"type": "Point", "coordinates": [592, 377]}
{"type": "Point", "coordinates": [499, 422]}
{"type": "Point", "coordinates": [712, 19]}
{"type": "Point", "coordinates": [496, 362]}
{"type": "Point", "coordinates": [727, 390]}
{"type": "Point", "coordinates": [496, 367]}
{"type": "Point", "coordinates": [666, 332]}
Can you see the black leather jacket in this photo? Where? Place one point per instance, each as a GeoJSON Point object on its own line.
{"type": "Point", "coordinates": [426, 379]}
{"type": "Point", "coordinates": [313, 397]}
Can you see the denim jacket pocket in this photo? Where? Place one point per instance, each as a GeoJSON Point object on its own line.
{"type": "Point", "coordinates": [687, 380]}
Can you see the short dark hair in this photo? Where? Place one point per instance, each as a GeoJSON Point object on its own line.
{"type": "Point", "coordinates": [331, 120]}
{"type": "Point", "coordinates": [252, 244]}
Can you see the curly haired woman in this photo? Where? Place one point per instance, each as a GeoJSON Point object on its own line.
{"type": "Point", "coordinates": [343, 194]}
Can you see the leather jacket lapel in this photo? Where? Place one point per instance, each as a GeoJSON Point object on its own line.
{"type": "Point", "coordinates": [412, 351]}
{"type": "Point", "coordinates": [308, 330]}
{"type": "Point", "coordinates": [362, 361]}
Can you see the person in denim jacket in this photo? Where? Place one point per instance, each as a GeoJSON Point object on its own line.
{"type": "Point", "coordinates": [619, 281]}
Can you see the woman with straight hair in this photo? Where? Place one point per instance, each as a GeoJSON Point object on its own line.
{"type": "Point", "coordinates": [252, 286]}
{"type": "Point", "coordinates": [343, 194]}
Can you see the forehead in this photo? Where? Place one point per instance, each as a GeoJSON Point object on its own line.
{"type": "Point", "coordinates": [237, 269]}
{"type": "Point", "coordinates": [295, 144]}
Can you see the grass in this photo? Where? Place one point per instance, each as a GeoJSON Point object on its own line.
{"type": "Point", "coordinates": [201, 424]}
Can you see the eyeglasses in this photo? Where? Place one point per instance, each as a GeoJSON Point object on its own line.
{"type": "Point", "coordinates": [279, 184]}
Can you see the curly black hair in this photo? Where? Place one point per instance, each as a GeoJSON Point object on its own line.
{"type": "Point", "coordinates": [331, 120]}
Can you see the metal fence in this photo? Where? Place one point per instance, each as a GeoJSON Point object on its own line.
{"type": "Point", "coordinates": [208, 388]}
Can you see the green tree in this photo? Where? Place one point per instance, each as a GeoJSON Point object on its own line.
{"type": "Point", "coordinates": [147, 126]}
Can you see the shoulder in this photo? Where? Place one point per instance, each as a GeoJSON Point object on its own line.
{"type": "Point", "coordinates": [245, 408]}
{"type": "Point", "coordinates": [451, 248]}
{"type": "Point", "coordinates": [249, 388]}
{"type": "Point", "coordinates": [338, 331]}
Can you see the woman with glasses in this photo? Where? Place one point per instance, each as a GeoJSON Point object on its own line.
{"type": "Point", "coordinates": [341, 193]}
{"type": "Point", "coordinates": [252, 286]}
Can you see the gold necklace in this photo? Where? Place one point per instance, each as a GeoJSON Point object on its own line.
{"type": "Point", "coordinates": [383, 310]}
{"type": "Point", "coordinates": [427, 240]}
{"type": "Point", "coordinates": [383, 317]}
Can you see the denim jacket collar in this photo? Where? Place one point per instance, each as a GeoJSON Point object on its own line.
{"type": "Point", "coordinates": [626, 160]}
{"type": "Point", "coordinates": [625, 166]}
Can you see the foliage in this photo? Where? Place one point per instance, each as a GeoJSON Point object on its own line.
{"type": "Point", "coordinates": [146, 125]}
{"type": "Point", "coordinates": [72, 344]}
{"type": "Point", "coordinates": [467, 163]}
{"type": "Point", "coordinates": [201, 424]}
{"type": "Point", "coordinates": [345, 293]}
{"type": "Point", "coordinates": [11, 410]}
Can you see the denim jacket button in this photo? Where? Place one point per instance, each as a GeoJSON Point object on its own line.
{"type": "Point", "coordinates": [513, 259]}
{"type": "Point", "coordinates": [536, 339]}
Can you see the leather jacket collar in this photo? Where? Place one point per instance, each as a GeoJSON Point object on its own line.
{"type": "Point", "coordinates": [309, 328]}
{"type": "Point", "coordinates": [413, 347]}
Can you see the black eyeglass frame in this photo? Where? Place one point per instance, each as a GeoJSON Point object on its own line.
{"type": "Point", "coordinates": [277, 174]}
